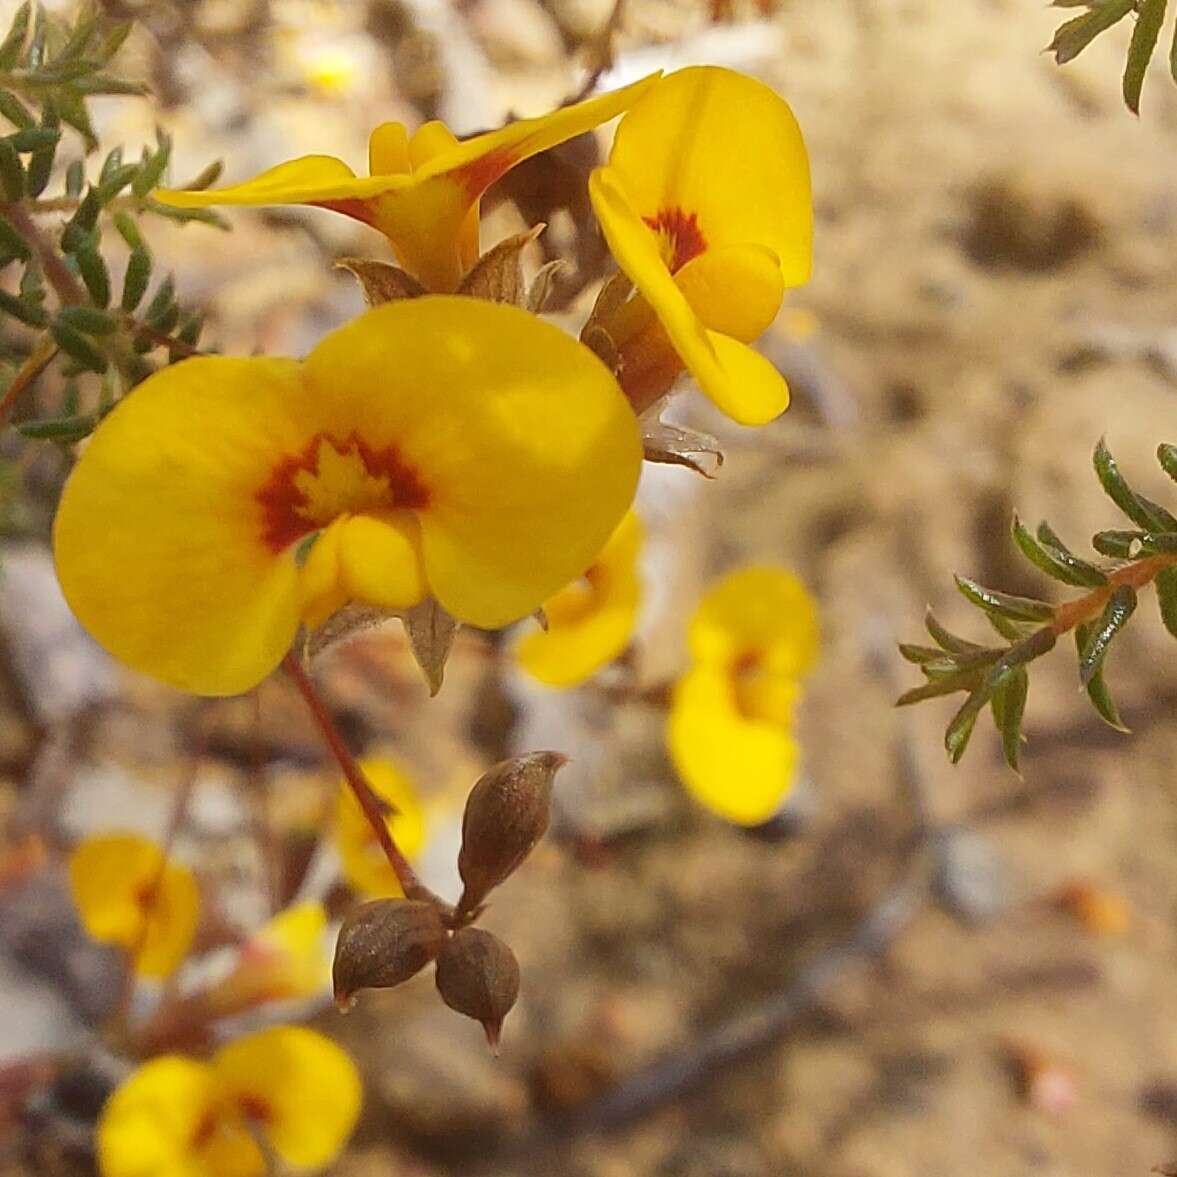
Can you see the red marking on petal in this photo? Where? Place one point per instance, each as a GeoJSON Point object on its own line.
{"type": "Point", "coordinates": [479, 174]}
{"type": "Point", "coordinates": [352, 206]}
{"type": "Point", "coordinates": [254, 1108]}
{"type": "Point", "coordinates": [681, 232]}
{"type": "Point", "coordinates": [285, 517]}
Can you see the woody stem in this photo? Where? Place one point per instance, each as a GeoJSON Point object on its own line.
{"type": "Point", "coordinates": [1136, 575]}
{"type": "Point", "coordinates": [369, 803]}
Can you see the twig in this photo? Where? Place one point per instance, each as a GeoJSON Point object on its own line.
{"type": "Point", "coordinates": [600, 54]}
{"type": "Point", "coordinates": [33, 366]}
{"type": "Point", "coordinates": [67, 287]}
{"type": "Point", "coordinates": [1136, 575]}
{"type": "Point", "coordinates": [371, 805]}
{"type": "Point", "coordinates": [176, 820]}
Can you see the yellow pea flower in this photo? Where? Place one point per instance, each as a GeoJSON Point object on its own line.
{"type": "Point", "coordinates": [590, 621]}
{"type": "Point", "coordinates": [129, 895]}
{"type": "Point", "coordinates": [439, 445]}
{"type": "Point", "coordinates": [364, 864]}
{"type": "Point", "coordinates": [423, 191]}
{"type": "Point", "coordinates": [705, 203]}
{"type": "Point", "coordinates": [752, 638]}
{"type": "Point", "coordinates": [177, 1117]}
{"type": "Point", "coordinates": [286, 959]}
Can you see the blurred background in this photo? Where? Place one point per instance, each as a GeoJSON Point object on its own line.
{"type": "Point", "coordinates": [914, 969]}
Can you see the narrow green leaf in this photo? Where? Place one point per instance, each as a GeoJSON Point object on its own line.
{"type": "Point", "coordinates": [1121, 545]}
{"type": "Point", "coordinates": [12, 172]}
{"type": "Point", "coordinates": [1144, 513]}
{"type": "Point", "coordinates": [1150, 17]}
{"type": "Point", "coordinates": [960, 727]}
{"type": "Point", "coordinates": [75, 178]}
{"type": "Point", "coordinates": [164, 297]}
{"type": "Point", "coordinates": [189, 332]}
{"type": "Point", "coordinates": [1119, 608]}
{"type": "Point", "coordinates": [1071, 38]}
{"type": "Point", "coordinates": [35, 55]}
{"type": "Point", "coordinates": [1163, 543]}
{"type": "Point", "coordinates": [85, 26]}
{"type": "Point", "coordinates": [1097, 690]}
{"type": "Point", "coordinates": [78, 347]}
{"type": "Point", "coordinates": [206, 216]}
{"type": "Point", "coordinates": [1005, 605]}
{"type": "Point", "coordinates": [88, 320]}
{"type": "Point", "coordinates": [12, 243]}
{"type": "Point", "coordinates": [105, 84]}
{"type": "Point", "coordinates": [1085, 574]}
{"type": "Point", "coordinates": [114, 183]}
{"type": "Point", "coordinates": [94, 274]}
{"type": "Point", "coordinates": [63, 429]}
{"type": "Point", "coordinates": [112, 41]}
{"type": "Point", "coordinates": [1009, 707]}
{"type": "Point", "coordinates": [33, 138]}
{"type": "Point", "coordinates": [920, 654]}
{"type": "Point", "coordinates": [965, 680]}
{"type": "Point", "coordinates": [1166, 585]}
{"type": "Point", "coordinates": [20, 308]}
{"type": "Point", "coordinates": [944, 638]}
{"type": "Point", "coordinates": [14, 40]}
{"type": "Point", "coordinates": [151, 171]}
{"type": "Point", "coordinates": [1167, 456]}
{"type": "Point", "coordinates": [128, 230]}
{"type": "Point", "coordinates": [15, 112]}
{"type": "Point", "coordinates": [137, 277]}
{"type": "Point", "coordinates": [1053, 561]}
{"type": "Point", "coordinates": [77, 228]}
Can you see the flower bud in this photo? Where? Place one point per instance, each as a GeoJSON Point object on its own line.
{"type": "Point", "coordinates": [506, 814]}
{"type": "Point", "coordinates": [383, 943]}
{"type": "Point", "coordinates": [478, 975]}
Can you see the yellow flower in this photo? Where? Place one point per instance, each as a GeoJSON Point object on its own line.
{"type": "Point", "coordinates": [364, 864]}
{"type": "Point", "coordinates": [753, 636]}
{"type": "Point", "coordinates": [129, 895]}
{"type": "Point", "coordinates": [705, 203]}
{"type": "Point", "coordinates": [423, 191]}
{"type": "Point", "coordinates": [285, 959]}
{"type": "Point", "coordinates": [176, 1117]}
{"type": "Point", "coordinates": [591, 620]}
{"type": "Point", "coordinates": [437, 445]}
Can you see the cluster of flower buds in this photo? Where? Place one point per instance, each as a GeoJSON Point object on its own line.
{"type": "Point", "coordinates": [386, 941]}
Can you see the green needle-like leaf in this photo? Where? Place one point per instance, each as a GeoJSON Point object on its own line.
{"type": "Point", "coordinates": [1076, 34]}
{"type": "Point", "coordinates": [1143, 512]}
{"type": "Point", "coordinates": [1144, 42]}
{"type": "Point", "coordinates": [1166, 585]}
{"type": "Point", "coordinates": [1009, 707]}
{"type": "Point", "coordinates": [1097, 690]}
{"type": "Point", "coordinates": [1055, 562]}
{"type": "Point", "coordinates": [1121, 605]}
{"type": "Point", "coordinates": [1004, 605]}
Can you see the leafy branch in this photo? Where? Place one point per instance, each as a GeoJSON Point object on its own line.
{"type": "Point", "coordinates": [997, 676]}
{"type": "Point", "coordinates": [1074, 35]}
{"type": "Point", "coordinates": [66, 307]}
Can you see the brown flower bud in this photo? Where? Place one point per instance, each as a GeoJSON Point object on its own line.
{"type": "Point", "coordinates": [478, 975]}
{"type": "Point", "coordinates": [506, 814]}
{"type": "Point", "coordinates": [383, 943]}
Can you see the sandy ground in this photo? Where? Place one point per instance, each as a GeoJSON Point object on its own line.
{"type": "Point", "coordinates": [992, 293]}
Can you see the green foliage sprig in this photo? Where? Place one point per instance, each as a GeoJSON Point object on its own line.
{"type": "Point", "coordinates": [49, 68]}
{"type": "Point", "coordinates": [1074, 35]}
{"type": "Point", "coordinates": [997, 676]}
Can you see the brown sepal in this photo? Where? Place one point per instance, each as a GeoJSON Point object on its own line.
{"type": "Point", "coordinates": [381, 281]}
{"type": "Point", "coordinates": [498, 275]}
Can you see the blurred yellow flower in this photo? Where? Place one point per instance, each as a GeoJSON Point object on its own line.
{"type": "Point", "coordinates": [590, 621]}
{"type": "Point", "coordinates": [730, 731]}
{"type": "Point", "coordinates": [364, 865]}
{"type": "Point", "coordinates": [176, 1117]}
{"type": "Point", "coordinates": [441, 445]}
{"type": "Point", "coordinates": [287, 958]}
{"type": "Point", "coordinates": [129, 895]}
{"type": "Point", "coordinates": [706, 205]}
{"type": "Point", "coordinates": [423, 191]}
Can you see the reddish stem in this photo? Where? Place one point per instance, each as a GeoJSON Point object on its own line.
{"type": "Point", "coordinates": [1137, 575]}
{"type": "Point", "coordinates": [371, 805]}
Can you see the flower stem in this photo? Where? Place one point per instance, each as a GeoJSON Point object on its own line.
{"type": "Point", "coordinates": [33, 366]}
{"type": "Point", "coordinates": [371, 805]}
{"type": "Point", "coordinates": [1137, 575]}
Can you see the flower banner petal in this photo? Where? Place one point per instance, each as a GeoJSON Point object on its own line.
{"type": "Point", "coordinates": [726, 148]}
